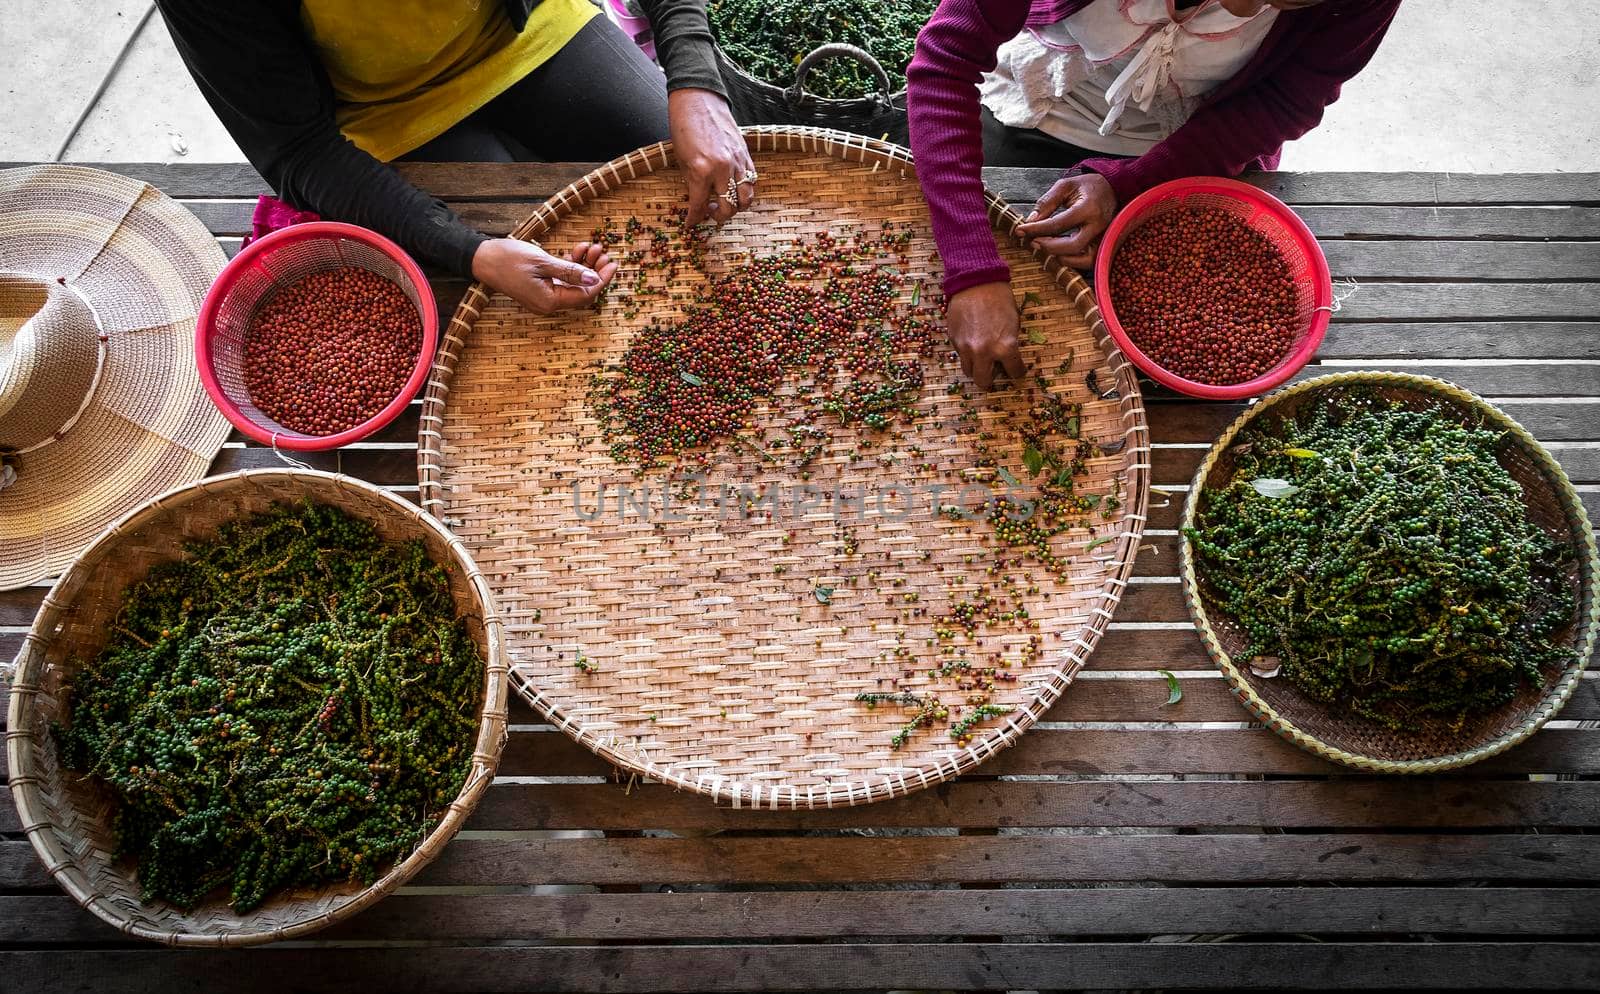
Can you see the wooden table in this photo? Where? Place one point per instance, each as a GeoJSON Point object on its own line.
{"type": "Point", "coordinates": [1121, 844]}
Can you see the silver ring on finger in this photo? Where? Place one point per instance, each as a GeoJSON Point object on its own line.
{"type": "Point", "coordinates": [750, 176]}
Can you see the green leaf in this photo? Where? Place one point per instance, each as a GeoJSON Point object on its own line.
{"type": "Point", "coordinates": [1091, 501]}
{"type": "Point", "coordinates": [1274, 488]}
{"type": "Point", "coordinates": [824, 594]}
{"type": "Point", "coordinates": [1064, 477]}
{"type": "Point", "coordinates": [1035, 337]}
{"type": "Point", "coordinates": [1174, 691]}
{"type": "Point", "coordinates": [916, 295]}
{"type": "Point", "coordinates": [1097, 543]}
{"type": "Point", "coordinates": [691, 379]}
{"type": "Point", "coordinates": [1032, 458]}
{"type": "Point", "coordinates": [1005, 474]}
{"type": "Point", "coordinates": [1302, 453]}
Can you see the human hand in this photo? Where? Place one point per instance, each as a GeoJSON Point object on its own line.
{"type": "Point", "coordinates": [539, 281]}
{"type": "Point", "coordinates": [983, 326]}
{"type": "Point", "coordinates": [1086, 205]}
{"type": "Point", "coordinates": [712, 154]}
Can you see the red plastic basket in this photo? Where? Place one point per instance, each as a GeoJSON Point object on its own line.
{"type": "Point", "coordinates": [255, 275]}
{"type": "Point", "coordinates": [1267, 215]}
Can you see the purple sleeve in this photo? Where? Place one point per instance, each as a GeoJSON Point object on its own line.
{"type": "Point", "coordinates": [1224, 137]}
{"type": "Point", "coordinates": [954, 50]}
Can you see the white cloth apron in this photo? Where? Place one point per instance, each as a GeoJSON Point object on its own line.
{"type": "Point", "coordinates": [1120, 75]}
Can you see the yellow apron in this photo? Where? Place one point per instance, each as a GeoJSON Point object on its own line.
{"type": "Point", "coordinates": [406, 71]}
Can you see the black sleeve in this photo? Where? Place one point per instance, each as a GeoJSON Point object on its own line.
{"type": "Point", "coordinates": [256, 69]}
{"type": "Point", "coordinates": [683, 44]}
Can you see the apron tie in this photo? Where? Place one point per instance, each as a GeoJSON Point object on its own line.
{"type": "Point", "coordinates": [1146, 75]}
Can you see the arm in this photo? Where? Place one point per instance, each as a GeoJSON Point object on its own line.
{"type": "Point", "coordinates": [256, 71]}
{"type": "Point", "coordinates": [684, 46]}
{"type": "Point", "coordinates": [259, 76]}
{"type": "Point", "coordinates": [954, 50]}
{"type": "Point", "coordinates": [958, 45]}
{"type": "Point", "coordinates": [1224, 137]}
{"type": "Point", "coordinates": [711, 151]}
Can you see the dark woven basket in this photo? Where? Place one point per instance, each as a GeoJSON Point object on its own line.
{"type": "Point", "coordinates": [1361, 742]}
{"type": "Point", "coordinates": [755, 101]}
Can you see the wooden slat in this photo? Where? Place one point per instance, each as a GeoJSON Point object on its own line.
{"type": "Point", "coordinates": [1185, 751]}
{"type": "Point", "coordinates": [1019, 858]}
{"type": "Point", "coordinates": [1401, 803]}
{"type": "Point", "coordinates": [838, 967]}
{"type": "Point", "coordinates": [1485, 260]}
{"type": "Point", "coordinates": [482, 180]}
{"type": "Point", "coordinates": [1435, 804]}
{"type": "Point", "coordinates": [53, 920]}
{"type": "Point", "coordinates": [1463, 340]}
{"type": "Point", "coordinates": [1469, 301]}
{"type": "Point", "coordinates": [995, 859]}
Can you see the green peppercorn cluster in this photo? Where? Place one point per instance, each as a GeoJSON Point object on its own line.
{"type": "Point", "coordinates": [293, 703]}
{"type": "Point", "coordinates": [1384, 557]}
{"type": "Point", "coordinates": [768, 38]}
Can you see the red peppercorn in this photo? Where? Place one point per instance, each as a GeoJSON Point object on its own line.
{"type": "Point", "coordinates": [1205, 296]}
{"type": "Point", "coordinates": [330, 350]}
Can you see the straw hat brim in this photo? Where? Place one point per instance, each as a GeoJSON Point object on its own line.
{"type": "Point", "coordinates": [143, 263]}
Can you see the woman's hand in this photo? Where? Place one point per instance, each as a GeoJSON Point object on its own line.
{"type": "Point", "coordinates": [539, 281]}
{"type": "Point", "coordinates": [711, 153]}
{"type": "Point", "coordinates": [983, 326]}
{"type": "Point", "coordinates": [1086, 205]}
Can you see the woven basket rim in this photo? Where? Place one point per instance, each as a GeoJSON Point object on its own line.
{"type": "Point", "coordinates": [64, 867]}
{"type": "Point", "coordinates": [1554, 698]}
{"type": "Point", "coordinates": [857, 790]}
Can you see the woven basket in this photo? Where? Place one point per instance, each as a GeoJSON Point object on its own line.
{"type": "Point", "coordinates": [69, 818]}
{"type": "Point", "coordinates": [710, 665]}
{"type": "Point", "coordinates": [1360, 742]}
{"type": "Point", "coordinates": [756, 101]}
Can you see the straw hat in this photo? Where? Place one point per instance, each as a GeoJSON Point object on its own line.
{"type": "Point", "coordinates": [101, 406]}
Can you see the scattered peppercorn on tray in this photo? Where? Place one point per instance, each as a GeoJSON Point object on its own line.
{"type": "Point", "coordinates": [751, 530]}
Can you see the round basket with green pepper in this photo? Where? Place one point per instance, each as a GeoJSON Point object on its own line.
{"type": "Point", "coordinates": [828, 63]}
{"type": "Point", "coordinates": [1390, 572]}
{"type": "Point", "coordinates": [255, 706]}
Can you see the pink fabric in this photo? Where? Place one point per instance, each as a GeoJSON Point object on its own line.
{"type": "Point", "coordinates": [1279, 95]}
{"type": "Point", "coordinates": [272, 214]}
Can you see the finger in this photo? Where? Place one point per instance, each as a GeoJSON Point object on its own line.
{"type": "Point", "coordinates": [983, 372]}
{"type": "Point", "coordinates": [573, 273]}
{"type": "Point", "coordinates": [589, 255]}
{"type": "Point", "coordinates": [699, 197]}
{"type": "Point", "coordinates": [1085, 259]}
{"type": "Point", "coordinates": [722, 210]}
{"type": "Point", "coordinates": [1052, 200]}
{"type": "Point", "coordinates": [1076, 215]}
{"type": "Point", "coordinates": [564, 298]}
{"type": "Point", "coordinates": [1015, 368]}
{"type": "Point", "coordinates": [966, 362]}
{"type": "Point", "coordinates": [607, 270]}
{"type": "Point", "coordinates": [1074, 244]}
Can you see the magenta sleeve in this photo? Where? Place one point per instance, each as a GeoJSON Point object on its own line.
{"type": "Point", "coordinates": [954, 50]}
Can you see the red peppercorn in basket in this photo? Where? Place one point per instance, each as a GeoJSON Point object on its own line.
{"type": "Point", "coordinates": [316, 336]}
{"type": "Point", "coordinates": [1213, 288]}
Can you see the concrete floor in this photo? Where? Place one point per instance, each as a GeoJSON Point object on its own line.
{"type": "Point", "coordinates": [1459, 86]}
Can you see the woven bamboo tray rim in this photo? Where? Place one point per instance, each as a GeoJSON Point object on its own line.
{"type": "Point", "coordinates": [80, 866]}
{"type": "Point", "coordinates": [1587, 614]}
{"type": "Point", "coordinates": [1134, 478]}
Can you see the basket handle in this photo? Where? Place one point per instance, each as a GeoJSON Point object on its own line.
{"type": "Point", "coordinates": [797, 92]}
